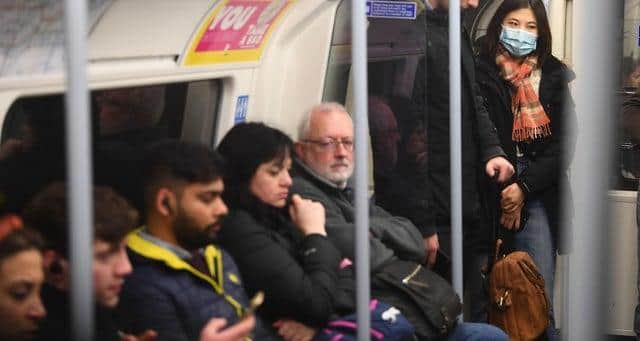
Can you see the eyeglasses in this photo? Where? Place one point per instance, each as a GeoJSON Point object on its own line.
{"type": "Point", "coordinates": [332, 144]}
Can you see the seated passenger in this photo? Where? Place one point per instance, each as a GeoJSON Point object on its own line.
{"type": "Point", "coordinates": [181, 279]}
{"type": "Point", "coordinates": [325, 155]}
{"type": "Point", "coordinates": [113, 217]}
{"type": "Point", "coordinates": [21, 278]}
{"type": "Point", "coordinates": [280, 247]}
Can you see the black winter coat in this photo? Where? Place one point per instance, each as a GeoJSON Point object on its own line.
{"type": "Point", "coordinates": [479, 140]}
{"type": "Point", "coordinates": [299, 275]}
{"type": "Point", "coordinates": [549, 158]}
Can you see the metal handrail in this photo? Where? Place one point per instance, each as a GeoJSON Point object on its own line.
{"type": "Point", "coordinates": [79, 179]}
{"type": "Point", "coordinates": [455, 142]}
{"type": "Point", "coordinates": [361, 126]}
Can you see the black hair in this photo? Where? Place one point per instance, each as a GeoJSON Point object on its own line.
{"type": "Point", "coordinates": [47, 213]}
{"type": "Point", "coordinates": [245, 147]}
{"type": "Point", "coordinates": [492, 39]}
{"type": "Point", "coordinates": [170, 161]}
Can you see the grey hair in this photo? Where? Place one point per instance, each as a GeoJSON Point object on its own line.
{"type": "Point", "coordinates": [324, 107]}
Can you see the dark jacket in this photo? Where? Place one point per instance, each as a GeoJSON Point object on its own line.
{"type": "Point", "coordinates": [298, 274]}
{"type": "Point", "coordinates": [548, 158]}
{"type": "Point", "coordinates": [479, 140]}
{"type": "Point", "coordinates": [168, 295]}
{"type": "Point", "coordinates": [390, 236]}
{"type": "Point", "coordinates": [57, 325]}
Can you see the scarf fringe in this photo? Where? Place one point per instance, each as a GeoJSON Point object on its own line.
{"type": "Point", "coordinates": [531, 133]}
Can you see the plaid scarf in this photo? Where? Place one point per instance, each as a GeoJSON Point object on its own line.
{"type": "Point", "coordinates": [530, 122]}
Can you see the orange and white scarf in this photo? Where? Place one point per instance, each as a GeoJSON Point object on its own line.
{"type": "Point", "coordinates": [530, 121]}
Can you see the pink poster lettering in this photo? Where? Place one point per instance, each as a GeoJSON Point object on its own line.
{"type": "Point", "coordinates": [240, 25]}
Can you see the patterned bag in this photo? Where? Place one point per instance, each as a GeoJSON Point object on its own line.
{"type": "Point", "coordinates": [387, 323]}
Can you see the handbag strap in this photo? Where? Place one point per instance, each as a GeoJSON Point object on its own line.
{"type": "Point", "coordinates": [503, 239]}
{"type": "Point", "coordinates": [496, 254]}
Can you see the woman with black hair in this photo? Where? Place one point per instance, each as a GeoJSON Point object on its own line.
{"type": "Point", "coordinates": [526, 91]}
{"type": "Point", "coordinates": [280, 245]}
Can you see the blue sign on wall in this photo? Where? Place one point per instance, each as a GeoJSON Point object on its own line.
{"type": "Point", "coordinates": [392, 9]}
{"type": "Point", "coordinates": [241, 109]}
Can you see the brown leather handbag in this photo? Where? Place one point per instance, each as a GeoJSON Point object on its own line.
{"type": "Point", "coordinates": [518, 303]}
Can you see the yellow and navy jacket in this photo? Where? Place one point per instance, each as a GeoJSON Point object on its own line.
{"type": "Point", "coordinates": [167, 294]}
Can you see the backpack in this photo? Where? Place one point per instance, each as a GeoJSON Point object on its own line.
{"type": "Point", "coordinates": [517, 300]}
{"type": "Point", "coordinates": [426, 299]}
{"type": "Point", "coordinates": [387, 323]}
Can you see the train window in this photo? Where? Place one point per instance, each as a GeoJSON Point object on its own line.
{"type": "Point", "coordinates": [169, 110]}
{"type": "Point", "coordinates": [397, 133]}
{"type": "Point", "coordinates": [124, 121]}
{"type": "Point", "coordinates": [628, 155]}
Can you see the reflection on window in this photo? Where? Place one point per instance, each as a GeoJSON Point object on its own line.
{"type": "Point", "coordinates": [398, 137]}
{"type": "Point", "coordinates": [124, 122]}
{"type": "Point", "coordinates": [628, 153]}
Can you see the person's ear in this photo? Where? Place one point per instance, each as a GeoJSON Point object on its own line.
{"type": "Point", "coordinates": [56, 269]}
{"type": "Point", "coordinates": [165, 202]}
{"type": "Point", "coordinates": [299, 149]}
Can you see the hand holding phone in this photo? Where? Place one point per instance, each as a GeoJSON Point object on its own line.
{"type": "Point", "coordinates": [255, 302]}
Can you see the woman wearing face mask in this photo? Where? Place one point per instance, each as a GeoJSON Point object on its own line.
{"type": "Point", "coordinates": [527, 95]}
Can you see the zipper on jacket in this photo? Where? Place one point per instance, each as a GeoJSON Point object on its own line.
{"type": "Point", "coordinates": [409, 279]}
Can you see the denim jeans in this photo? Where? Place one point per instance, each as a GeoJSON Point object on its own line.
{"type": "Point", "coordinates": [476, 332]}
{"type": "Point", "coordinates": [535, 238]}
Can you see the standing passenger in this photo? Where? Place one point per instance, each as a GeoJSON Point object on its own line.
{"type": "Point", "coordinates": [181, 279]}
{"type": "Point", "coordinates": [527, 94]}
{"type": "Point", "coordinates": [481, 152]}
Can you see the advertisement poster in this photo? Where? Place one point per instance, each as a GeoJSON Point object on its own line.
{"type": "Point", "coordinates": [235, 31]}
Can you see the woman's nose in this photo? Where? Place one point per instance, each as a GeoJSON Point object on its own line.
{"type": "Point", "coordinates": [286, 179]}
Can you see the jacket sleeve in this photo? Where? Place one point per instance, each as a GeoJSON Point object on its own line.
{"type": "Point", "coordinates": [487, 132]}
{"type": "Point", "coordinates": [342, 231]}
{"type": "Point", "coordinates": [397, 233]}
{"type": "Point", "coordinates": [554, 159]}
{"type": "Point", "coordinates": [304, 290]}
{"type": "Point", "coordinates": [145, 307]}
{"type": "Point", "coordinates": [406, 198]}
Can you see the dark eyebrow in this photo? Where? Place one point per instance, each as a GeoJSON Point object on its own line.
{"type": "Point", "coordinates": [22, 282]}
{"type": "Point", "coordinates": [211, 193]}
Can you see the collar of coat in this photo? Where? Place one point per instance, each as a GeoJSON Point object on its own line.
{"type": "Point", "coordinates": [211, 254]}
{"type": "Point", "coordinates": [316, 177]}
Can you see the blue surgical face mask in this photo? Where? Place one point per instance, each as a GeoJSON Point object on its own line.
{"type": "Point", "coordinates": [518, 42]}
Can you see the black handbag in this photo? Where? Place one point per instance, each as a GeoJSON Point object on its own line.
{"type": "Point", "coordinates": [426, 299]}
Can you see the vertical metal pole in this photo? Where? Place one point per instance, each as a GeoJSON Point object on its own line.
{"type": "Point", "coordinates": [359, 70]}
{"type": "Point", "coordinates": [455, 141]}
{"type": "Point", "coordinates": [596, 56]}
{"type": "Point", "coordinates": [80, 202]}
